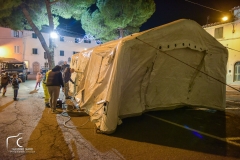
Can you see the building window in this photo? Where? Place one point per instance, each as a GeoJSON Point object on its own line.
{"type": "Point", "coordinates": [61, 53]}
{"type": "Point", "coordinates": [15, 33]}
{"type": "Point", "coordinates": [218, 33]}
{"type": "Point", "coordinates": [98, 41]}
{"type": "Point", "coordinates": [74, 52]}
{"type": "Point", "coordinates": [77, 40]}
{"type": "Point", "coordinates": [34, 35]}
{"type": "Point", "coordinates": [16, 49]}
{"type": "Point", "coordinates": [45, 55]}
{"type": "Point", "coordinates": [45, 65]}
{"type": "Point", "coordinates": [87, 41]}
{"type": "Point", "coordinates": [69, 59]}
{"type": "Point", "coordinates": [34, 51]}
{"type": "Point", "coordinates": [61, 38]}
{"type": "Point", "coordinates": [237, 71]}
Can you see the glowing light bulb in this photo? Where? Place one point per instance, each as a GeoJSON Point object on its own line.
{"type": "Point", "coordinates": [225, 18]}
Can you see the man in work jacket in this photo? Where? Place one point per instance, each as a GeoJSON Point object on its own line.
{"type": "Point", "coordinates": [45, 89]}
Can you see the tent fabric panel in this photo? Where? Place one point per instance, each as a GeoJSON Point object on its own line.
{"type": "Point", "coordinates": [140, 59]}
{"type": "Point", "coordinates": [170, 79]}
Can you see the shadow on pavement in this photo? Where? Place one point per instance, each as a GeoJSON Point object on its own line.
{"type": "Point", "coordinates": [2, 107]}
{"type": "Point", "coordinates": [47, 139]}
{"type": "Point", "coordinates": [171, 129]}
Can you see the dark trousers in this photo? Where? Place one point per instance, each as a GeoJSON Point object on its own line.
{"type": "Point", "coordinates": [15, 93]}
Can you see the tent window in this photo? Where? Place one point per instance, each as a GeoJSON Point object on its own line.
{"type": "Point", "coordinates": [237, 71]}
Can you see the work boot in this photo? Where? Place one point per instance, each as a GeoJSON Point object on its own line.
{"type": "Point", "coordinates": [47, 105]}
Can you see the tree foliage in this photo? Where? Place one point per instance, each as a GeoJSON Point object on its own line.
{"type": "Point", "coordinates": [114, 17]}
{"type": "Point", "coordinates": [33, 14]}
{"type": "Point", "coordinates": [37, 9]}
{"type": "Point", "coordinates": [106, 22]}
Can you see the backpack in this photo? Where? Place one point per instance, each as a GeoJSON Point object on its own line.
{"type": "Point", "coordinates": [15, 83]}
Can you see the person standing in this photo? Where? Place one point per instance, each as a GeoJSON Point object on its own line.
{"type": "Point", "coordinates": [66, 78]}
{"type": "Point", "coordinates": [54, 83]}
{"type": "Point", "coordinates": [45, 89]}
{"type": "Point", "coordinates": [38, 79]}
{"type": "Point", "coordinates": [15, 86]}
{"type": "Point", "coordinates": [5, 79]}
{"type": "Point", "coordinates": [65, 65]}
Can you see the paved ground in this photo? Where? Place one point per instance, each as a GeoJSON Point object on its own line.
{"type": "Point", "coordinates": [42, 135]}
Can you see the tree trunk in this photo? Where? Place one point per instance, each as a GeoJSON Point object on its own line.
{"type": "Point", "coordinates": [49, 51]}
{"type": "Point", "coordinates": [51, 43]}
{"type": "Point", "coordinates": [121, 34]}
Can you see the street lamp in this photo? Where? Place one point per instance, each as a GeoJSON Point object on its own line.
{"type": "Point", "coordinates": [225, 18]}
{"type": "Point", "coordinates": [53, 35]}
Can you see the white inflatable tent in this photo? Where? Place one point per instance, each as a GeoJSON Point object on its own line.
{"type": "Point", "coordinates": [157, 69]}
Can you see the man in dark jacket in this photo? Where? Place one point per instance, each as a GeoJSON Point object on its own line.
{"type": "Point", "coordinates": [5, 79]}
{"type": "Point", "coordinates": [66, 78]}
{"type": "Point", "coordinates": [54, 83]}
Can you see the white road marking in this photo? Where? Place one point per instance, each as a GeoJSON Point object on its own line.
{"type": "Point", "coordinates": [233, 138]}
{"type": "Point", "coordinates": [231, 108]}
{"type": "Point", "coordinates": [227, 140]}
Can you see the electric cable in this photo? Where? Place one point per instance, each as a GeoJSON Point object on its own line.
{"type": "Point", "coordinates": [232, 49]}
{"type": "Point", "coordinates": [188, 65]}
{"type": "Point", "coordinates": [205, 6]}
{"type": "Point", "coordinates": [69, 118]}
{"type": "Point", "coordinates": [64, 114]}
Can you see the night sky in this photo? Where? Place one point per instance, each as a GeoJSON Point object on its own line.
{"type": "Point", "coordinates": [171, 10]}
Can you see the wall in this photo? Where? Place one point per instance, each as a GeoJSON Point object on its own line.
{"type": "Point", "coordinates": [231, 40]}
{"type": "Point", "coordinates": [26, 44]}
{"type": "Point", "coordinates": [8, 42]}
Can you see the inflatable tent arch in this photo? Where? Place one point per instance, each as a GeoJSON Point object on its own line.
{"type": "Point", "coordinates": [147, 71]}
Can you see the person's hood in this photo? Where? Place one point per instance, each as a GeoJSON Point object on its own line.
{"type": "Point", "coordinates": [56, 68]}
